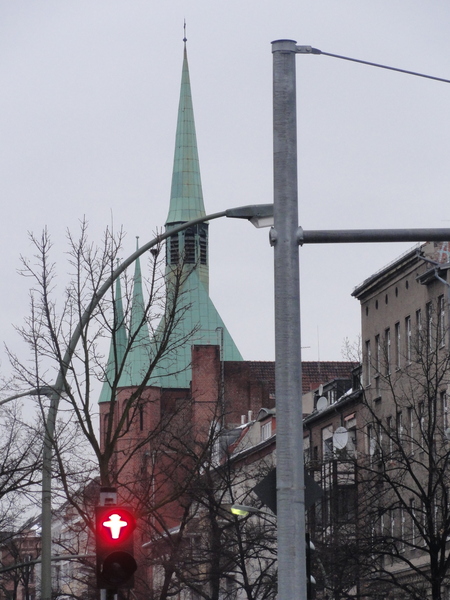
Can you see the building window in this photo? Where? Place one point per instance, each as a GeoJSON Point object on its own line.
{"type": "Point", "coordinates": [442, 320]}
{"type": "Point", "coordinates": [306, 449]}
{"type": "Point", "coordinates": [398, 348]}
{"type": "Point", "coordinates": [412, 512]}
{"type": "Point", "coordinates": [327, 442]}
{"type": "Point", "coordinates": [387, 343]}
{"type": "Point", "coordinates": [141, 417]}
{"type": "Point", "coordinates": [419, 331]}
{"type": "Point", "coordinates": [429, 309]}
{"type": "Point", "coordinates": [203, 244]}
{"type": "Point", "coordinates": [421, 413]}
{"type": "Point", "coordinates": [400, 428]}
{"type": "Point", "coordinates": [371, 441]}
{"type": "Point", "coordinates": [105, 427]}
{"type": "Point", "coordinates": [377, 364]}
{"type": "Point", "coordinates": [408, 339]}
{"type": "Point", "coordinates": [402, 527]}
{"type": "Point", "coordinates": [392, 523]}
{"type": "Point", "coordinates": [444, 404]}
{"type": "Point", "coordinates": [411, 428]}
{"type": "Point", "coordinates": [377, 354]}
{"type": "Point", "coordinates": [368, 362]}
{"type": "Point", "coordinates": [390, 433]}
{"type": "Point", "coordinates": [351, 444]}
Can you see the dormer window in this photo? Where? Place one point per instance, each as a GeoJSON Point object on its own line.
{"type": "Point", "coordinates": [266, 430]}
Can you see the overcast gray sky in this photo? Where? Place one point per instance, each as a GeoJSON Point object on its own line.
{"type": "Point", "coordinates": [89, 93]}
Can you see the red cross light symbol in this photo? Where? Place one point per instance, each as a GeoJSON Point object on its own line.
{"type": "Point", "coordinates": [115, 525]}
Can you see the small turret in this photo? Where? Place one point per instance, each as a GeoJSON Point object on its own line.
{"type": "Point", "coordinates": [118, 346]}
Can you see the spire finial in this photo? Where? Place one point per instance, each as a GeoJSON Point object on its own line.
{"type": "Point", "coordinates": [185, 38]}
{"type": "Point", "coordinates": [137, 242]}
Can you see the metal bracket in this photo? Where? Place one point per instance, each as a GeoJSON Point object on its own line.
{"type": "Point", "coordinates": [273, 236]}
{"type": "Point", "coordinates": [307, 50]}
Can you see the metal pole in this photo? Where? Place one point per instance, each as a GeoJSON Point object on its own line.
{"type": "Point", "coordinates": [288, 376]}
{"type": "Point", "coordinates": [46, 515]}
{"type": "Point", "coordinates": [361, 236]}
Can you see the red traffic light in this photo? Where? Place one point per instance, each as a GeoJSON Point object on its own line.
{"type": "Point", "coordinates": [114, 525]}
{"type": "Point", "coordinates": [114, 547]}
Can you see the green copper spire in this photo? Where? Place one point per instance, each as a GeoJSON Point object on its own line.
{"type": "Point", "coordinates": [200, 323]}
{"type": "Point", "coordinates": [138, 358]}
{"type": "Point", "coordinates": [186, 197]}
{"type": "Point", "coordinates": [117, 348]}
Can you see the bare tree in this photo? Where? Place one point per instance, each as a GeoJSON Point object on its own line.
{"type": "Point", "coordinates": [167, 468]}
{"type": "Point", "coordinates": [79, 453]}
{"type": "Point", "coordinates": [211, 552]}
{"type": "Point", "coordinates": [404, 478]}
{"type": "Point", "coordinates": [19, 550]}
{"type": "Point", "coordinates": [20, 460]}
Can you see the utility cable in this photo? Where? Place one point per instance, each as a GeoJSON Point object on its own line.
{"type": "Point", "coordinates": [372, 64]}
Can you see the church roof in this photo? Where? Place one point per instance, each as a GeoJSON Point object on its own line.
{"type": "Point", "coordinates": [199, 323]}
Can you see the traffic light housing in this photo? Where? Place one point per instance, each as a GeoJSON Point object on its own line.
{"type": "Point", "coordinates": [116, 565]}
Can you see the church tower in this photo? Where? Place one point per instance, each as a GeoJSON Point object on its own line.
{"type": "Point", "coordinates": [199, 322]}
{"type": "Point", "coordinates": [186, 197]}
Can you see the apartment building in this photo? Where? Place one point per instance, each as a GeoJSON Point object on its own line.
{"type": "Point", "coordinates": [381, 453]}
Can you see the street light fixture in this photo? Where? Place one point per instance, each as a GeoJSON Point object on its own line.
{"type": "Point", "coordinates": [242, 510]}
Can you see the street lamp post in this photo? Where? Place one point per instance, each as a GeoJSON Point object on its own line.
{"type": "Point", "coordinates": [258, 215]}
{"type": "Point", "coordinates": [288, 368]}
{"type": "Point", "coordinates": [286, 236]}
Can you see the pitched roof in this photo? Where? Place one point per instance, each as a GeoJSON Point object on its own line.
{"type": "Point", "coordinates": [200, 323]}
{"type": "Point", "coordinates": [316, 372]}
{"type": "Point", "coordinates": [313, 372]}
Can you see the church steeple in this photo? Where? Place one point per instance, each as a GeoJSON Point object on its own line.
{"type": "Point", "coordinates": [139, 355]}
{"type": "Point", "coordinates": [200, 322]}
{"type": "Point", "coordinates": [117, 348]}
{"type": "Point", "coordinates": [186, 196]}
